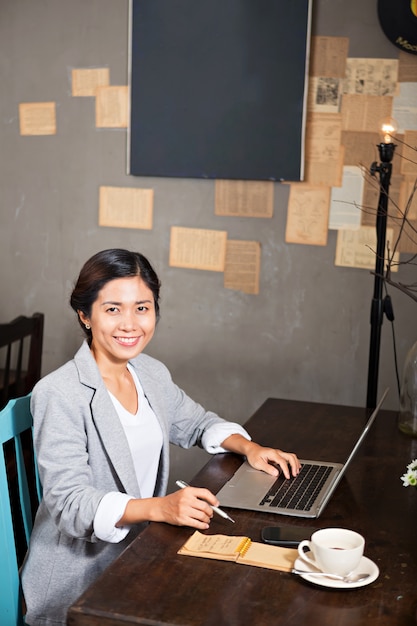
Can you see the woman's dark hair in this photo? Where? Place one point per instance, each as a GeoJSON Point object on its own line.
{"type": "Point", "coordinates": [105, 266]}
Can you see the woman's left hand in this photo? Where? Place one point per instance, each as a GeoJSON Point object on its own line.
{"type": "Point", "coordinates": [269, 460]}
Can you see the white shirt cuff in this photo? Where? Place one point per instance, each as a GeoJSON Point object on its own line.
{"type": "Point", "coordinates": [216, 434]}
{"type": "Point", "coordinates": [111, 508]}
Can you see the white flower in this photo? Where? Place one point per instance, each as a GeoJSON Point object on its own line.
{"type": "Point", "coordinates": [412, 467]}
{"type": "Point", "coordinates": [410, 477]}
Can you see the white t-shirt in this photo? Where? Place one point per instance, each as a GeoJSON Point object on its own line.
{"type": "Point", "coordinates": [144, 436]}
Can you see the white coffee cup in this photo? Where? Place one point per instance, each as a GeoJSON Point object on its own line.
{"type": "Point", "coordinates": [334, 550]}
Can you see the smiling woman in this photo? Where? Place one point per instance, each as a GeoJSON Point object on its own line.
{"type": "Point", "coordinates": [122, 322]}
{"type": "Point", "coordinates": [103, 425]}
{"type": "Point", "coordinates": [119, 319]}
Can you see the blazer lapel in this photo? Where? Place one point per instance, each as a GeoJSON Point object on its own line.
{"type": "Point", "coordinates": [114, 440]}
{"type": "Point", "coordinates": [107, 421]}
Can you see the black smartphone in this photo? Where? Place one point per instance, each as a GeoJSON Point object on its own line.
{"type": "Point", "coordinates": [287, 536]}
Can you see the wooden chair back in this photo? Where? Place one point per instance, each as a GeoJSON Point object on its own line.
{"type": "Point", "coordinates": [21, 343]}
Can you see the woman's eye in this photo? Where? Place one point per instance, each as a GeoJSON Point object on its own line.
{"type": "Point", "coordinates": [112, 309]}
{"type": "Point", "coordinates": [142, 309]}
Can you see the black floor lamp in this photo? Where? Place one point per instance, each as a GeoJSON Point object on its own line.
{"type": "Point", "coordinates": [380, 305]}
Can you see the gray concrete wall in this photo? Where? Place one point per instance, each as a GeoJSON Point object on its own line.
{"type": "Point", "coordinates": [306, 336]}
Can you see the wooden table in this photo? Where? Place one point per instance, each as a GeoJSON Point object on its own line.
{"type": "Point", "coordinates": [151, 584]}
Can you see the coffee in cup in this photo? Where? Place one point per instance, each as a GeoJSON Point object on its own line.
{"type": "Point", "coordinates": [333, 550]}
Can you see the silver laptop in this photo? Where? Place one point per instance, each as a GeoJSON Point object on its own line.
{"type": "Point", "coordinates": [305, 495]}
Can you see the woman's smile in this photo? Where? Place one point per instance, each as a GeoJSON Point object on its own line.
{"type": "Point", "coordinates": [128, 341]}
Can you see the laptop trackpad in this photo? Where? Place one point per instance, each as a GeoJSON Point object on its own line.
{"type": "Point", "coordinates": [244, 485]}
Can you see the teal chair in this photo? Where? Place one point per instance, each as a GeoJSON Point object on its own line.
{"type": "Point", "coordinates": [20, 493]}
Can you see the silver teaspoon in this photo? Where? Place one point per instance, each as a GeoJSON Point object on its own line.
{"type": "Point", "coordinates": [356, 578]}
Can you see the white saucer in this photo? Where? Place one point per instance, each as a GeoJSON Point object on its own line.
{"type": "Point", "coordinates": [366, 566]}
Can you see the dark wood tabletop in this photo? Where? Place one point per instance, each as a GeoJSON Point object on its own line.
{"type": "Point", "coordinates": [151, 584]}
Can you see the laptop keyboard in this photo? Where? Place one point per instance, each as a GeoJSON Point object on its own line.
{"type": "Point", "coordinates": [299, 492]}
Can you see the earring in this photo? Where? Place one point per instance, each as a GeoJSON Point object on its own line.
{"type": "Point", "coordinates": [87, 326]}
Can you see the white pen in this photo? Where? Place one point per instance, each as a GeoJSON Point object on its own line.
{"type": "Point", "coordinates": [216, 509]}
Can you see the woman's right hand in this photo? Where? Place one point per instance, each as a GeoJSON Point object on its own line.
{"type": "Point", "coordinates": [187, 507]}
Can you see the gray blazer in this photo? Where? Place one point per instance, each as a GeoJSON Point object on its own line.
{"type": "Point", "coordinates": [83, 454]}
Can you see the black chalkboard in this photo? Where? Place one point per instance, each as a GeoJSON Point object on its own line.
{"type": "Point", "coordinates": [218, 88]}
